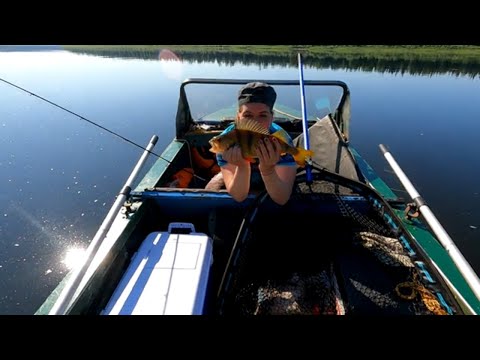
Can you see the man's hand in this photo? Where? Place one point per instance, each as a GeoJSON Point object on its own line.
{"type": "Point", "coordinates": [234, 156]}
{"type": "Point", "coordinates": [268, 152]}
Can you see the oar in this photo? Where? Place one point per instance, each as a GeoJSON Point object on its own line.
{"type": "Point", "coordinates": [308, 166]}
{"type": "Point", "coordinates": [442, 236]}
{"type": "Point", "coordinates": [66, 296]}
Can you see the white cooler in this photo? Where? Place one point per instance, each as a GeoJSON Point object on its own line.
{"type": "Point", "coordinates": [167, 276]}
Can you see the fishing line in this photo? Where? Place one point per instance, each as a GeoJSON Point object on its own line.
{"type": "Point", "coordinates": [95, 124]}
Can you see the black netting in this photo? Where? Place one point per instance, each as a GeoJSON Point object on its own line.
{"type": "Point", "coordinates": [299, 294]}
{"type": "Point", "coordinates": [346, 262]}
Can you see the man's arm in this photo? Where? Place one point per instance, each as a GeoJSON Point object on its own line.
{"type": "Point", "coordinates": [279, 183]}
{"type": "Point", "coordinates": [236, 174]}
{"type": "Point", "coordinates": [278, 179]}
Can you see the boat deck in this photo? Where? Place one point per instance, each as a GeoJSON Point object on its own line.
{"type": "Point", "coordinates": [321, 266]}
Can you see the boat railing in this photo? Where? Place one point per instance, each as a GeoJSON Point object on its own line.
{"type": "Point", "coordinates": [463, 266]}
{"type": "Point", "coordinates": [184, 119]}
{"type": "Point", "coordinates": [66, 297]}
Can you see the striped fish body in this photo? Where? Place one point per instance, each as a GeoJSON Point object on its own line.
{"type": "Point", "coordinates": [247, 134]}
{"type": "Point", "coordinates": [248, 140]}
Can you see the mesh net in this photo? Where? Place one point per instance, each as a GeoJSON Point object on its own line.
{"type": "Point", "coordinates": [299, 294]}
{"type": "Point", "coordinates": [350, 262]}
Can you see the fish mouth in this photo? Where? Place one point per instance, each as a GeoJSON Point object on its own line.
{"type": "Point", "coordinates": [214, 146]}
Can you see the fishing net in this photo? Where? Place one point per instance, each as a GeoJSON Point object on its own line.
{"type": "Point", "coordinates": [300, 294]}
{"type": "Point", "coordinates": [347, 262]}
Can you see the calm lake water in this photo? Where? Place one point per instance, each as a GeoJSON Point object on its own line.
{"type": "Point", "coordinates": [59, 175]}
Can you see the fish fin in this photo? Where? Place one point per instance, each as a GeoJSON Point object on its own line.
{"type": "Point", "coordinates": [301, 156]}
{"type": "Point", "coordinates": [282, 135]}
{"type": "Point", "coordinates": [251, 125]}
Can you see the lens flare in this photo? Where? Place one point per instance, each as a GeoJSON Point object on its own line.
{"type": "Point", "coordinates": [171, 64]}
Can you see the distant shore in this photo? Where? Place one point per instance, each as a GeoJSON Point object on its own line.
{"type": "Point", "coordinates": [450, 52]}
{"type": "Point", "coordinates": [464, 53]}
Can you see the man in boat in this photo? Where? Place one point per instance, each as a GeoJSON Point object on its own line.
{"type": "Point", "coordinates": [269, 163]}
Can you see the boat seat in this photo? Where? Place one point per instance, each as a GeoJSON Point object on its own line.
{"type": "Point", "coordinates": [330, 150]}
{"type": "Point", "coordinates": [167, 276]}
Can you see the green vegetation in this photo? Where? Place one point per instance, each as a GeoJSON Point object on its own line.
{"type": "Point", "coordinates": [414, 59]}
{"type": "Point", "coordinates": [368, 51]}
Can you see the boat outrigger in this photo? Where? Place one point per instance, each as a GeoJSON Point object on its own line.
{"type": "Point", "coordinates": [344, 243]}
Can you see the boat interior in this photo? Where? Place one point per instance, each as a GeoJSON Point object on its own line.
{"type": "Point", "coordinates": [335, 248]}
{"type": "Point", "coordinates": [329, 250]}
{"type": "Point", "coordinates": [323, 253]}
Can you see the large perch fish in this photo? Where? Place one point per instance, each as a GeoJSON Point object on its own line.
{"type": "Point", "coordinates": [247, 133]}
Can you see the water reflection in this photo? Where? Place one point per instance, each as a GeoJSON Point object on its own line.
{"type": "Point", "coordinates": [408, 64]}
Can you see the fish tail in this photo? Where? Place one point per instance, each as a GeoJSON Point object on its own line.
{"type": "Point", "coordinates": [302, 155]}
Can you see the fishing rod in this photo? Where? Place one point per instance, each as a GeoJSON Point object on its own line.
{"type": "Point", "coordinates": [308, 166]}
{"type": "Point", "coordinates": [96, 124]}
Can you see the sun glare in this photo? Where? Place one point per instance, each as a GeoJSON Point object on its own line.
{"type": "Point", "coordinates": [74, 257]}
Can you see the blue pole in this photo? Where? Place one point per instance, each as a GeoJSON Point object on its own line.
{"type": "Point", "coordinates": [305, 119]}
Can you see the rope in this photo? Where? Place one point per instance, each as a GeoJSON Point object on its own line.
{"type": "Point", "coordinates": [410, 290]}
